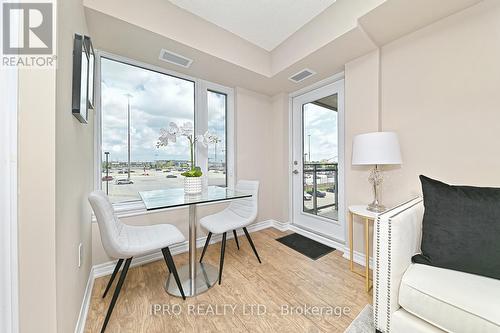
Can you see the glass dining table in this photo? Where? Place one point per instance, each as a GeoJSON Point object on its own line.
{"type": "Point", "coordinates": [195, 277]}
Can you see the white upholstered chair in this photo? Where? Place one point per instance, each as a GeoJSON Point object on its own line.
{"type": "Point", "coordinates": [122, 242]}
{"type": "Point", "coordinates": [239, 214]}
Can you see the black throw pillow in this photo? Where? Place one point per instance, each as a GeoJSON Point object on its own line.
{"type": "Point", "coordinates": [461, 228]}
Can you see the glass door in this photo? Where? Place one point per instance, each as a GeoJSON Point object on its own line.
{"type": "Point", "coordinates": [318, 161]}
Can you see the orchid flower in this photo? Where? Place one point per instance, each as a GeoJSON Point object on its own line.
{"type": "Point", "coordinates": [173, 131]}
{"type": "Point", "coordinates": [207, 139]}
{"type": "Point", "coordinates": [187, 130]}
{"type": "Point", "coordinates": [168, 135]}
{"type": "Point", "coordinates": [163, 139]}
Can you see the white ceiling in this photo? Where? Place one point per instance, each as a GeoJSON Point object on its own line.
{"type": "Point", "coordinates": [265, 23]}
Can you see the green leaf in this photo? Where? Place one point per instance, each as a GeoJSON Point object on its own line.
{"type": "Point", "coordinates": [194, 172]}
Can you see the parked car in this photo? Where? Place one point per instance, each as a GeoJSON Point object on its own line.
{"type": "Point", "coordinates": [307, 196]}
{"type": "Point", "coordinates": [124, 181]}
{"type": "Point", "coordinates": [319, 194]}
{"type": "Point", "coordinates": [107, 178]}
{"type": "Point", "coordinates": [331, 189]}
{"type": "Point", "coordinates": [171, 176]}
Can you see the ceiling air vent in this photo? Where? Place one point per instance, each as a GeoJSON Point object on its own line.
{"type": "Point", "coordinates": [302, 75]}
{"type": "Point", "coordinates": [175, 58]}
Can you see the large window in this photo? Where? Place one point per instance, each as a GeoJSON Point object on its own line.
{"type": "Point", "coordinates": [137, 102]}
{"type": "Point", "coordinates": [217, 109]}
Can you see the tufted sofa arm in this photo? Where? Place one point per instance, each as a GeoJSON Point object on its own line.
{"type": "Point", "coordinates": [397, 236]}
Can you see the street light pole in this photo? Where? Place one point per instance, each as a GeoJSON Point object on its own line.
{"type": "Point", "coordinates": [128, 134]}
{"type": "Point", "coordinates": [309, 155]}
{"type": "Point", "coordinates": [215, 152]}
{"type": "Point", "coordinates": [107, 172]}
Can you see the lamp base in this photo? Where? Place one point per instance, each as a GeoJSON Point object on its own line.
{"type": "Point", "coordinates": [376, 208]}
{"type": "Point", "coordinates": [376, 179]}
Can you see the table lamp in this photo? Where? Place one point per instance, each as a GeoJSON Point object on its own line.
{"type": "Point", "coordinates": [378, 148]}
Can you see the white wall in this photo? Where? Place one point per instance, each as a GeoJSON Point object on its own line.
{"type": "Point", "coordinates": [254, 145]}
{"type": "Point", "coordinates": [440, 92]}
{"type": "Point", "coordinates": [280, 154]}
{"type": "Point", "coordinates": [36, 201]}
{"type": "Point", "coordinates": [361, 116]}
{"type": "Point", "coordinates": [74, 176]}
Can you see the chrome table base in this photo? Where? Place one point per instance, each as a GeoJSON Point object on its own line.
{"type": "Point", "coordinates": [206, 276]}
{"type": "Point", "coordinates": [195, 277]}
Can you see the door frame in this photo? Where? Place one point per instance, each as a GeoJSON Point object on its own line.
{"type": "Point", "coordinates": [9, 318]}
{"type": "Point", "coordinates": [341, 156]}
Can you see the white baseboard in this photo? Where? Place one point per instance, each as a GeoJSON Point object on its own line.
{"type": "Point", "coordinates": [358, 257]}
{"type": "Point", "coordinates": [84, 309]}
{"type": "Point", "coordinates": [281, 226]}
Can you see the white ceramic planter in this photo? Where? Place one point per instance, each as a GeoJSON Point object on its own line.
{"type": "Point", "coordinates": [193, 185]}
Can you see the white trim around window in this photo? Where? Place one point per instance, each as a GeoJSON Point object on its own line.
{"type": "Point", "coordinates": [200, 121]}
{"type": "Point", "coordinates": [230, 124]}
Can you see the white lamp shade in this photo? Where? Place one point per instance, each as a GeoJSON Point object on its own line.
{"type": "Point", "coordinates": [376, 148]}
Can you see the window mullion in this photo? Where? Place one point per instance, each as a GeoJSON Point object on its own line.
{"type": "Point", "coordinates": [201, 125]}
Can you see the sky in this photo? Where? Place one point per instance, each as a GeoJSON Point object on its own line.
{"type": "Point", "coordinates": [155, 100]}
{"type": "Point", "coordinates": [321, 124]}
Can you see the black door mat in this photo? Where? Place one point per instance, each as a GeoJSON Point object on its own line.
{"type": "Point", "coordinates": [308, 247]}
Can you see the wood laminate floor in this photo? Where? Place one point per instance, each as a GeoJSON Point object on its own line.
{"type": "Point", "coordinates": [253, 297]}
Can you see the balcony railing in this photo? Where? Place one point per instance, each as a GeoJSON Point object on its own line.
{"type": "Point", "coordinates": [319, 180]}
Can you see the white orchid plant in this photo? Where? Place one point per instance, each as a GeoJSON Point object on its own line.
{"type": "Point", "coordinates": [186, 130]}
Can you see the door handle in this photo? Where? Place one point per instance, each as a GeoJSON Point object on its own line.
{"type": "Point", "coordinates": [295, 172]}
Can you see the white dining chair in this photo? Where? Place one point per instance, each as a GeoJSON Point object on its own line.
{"type": "Point", "coordinates": [123, 242]}
{"type": "Point", "coordinates": [239, 214]}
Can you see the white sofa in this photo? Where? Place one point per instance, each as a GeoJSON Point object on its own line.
{"type": "Point", "coordinates": [418, 298]}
